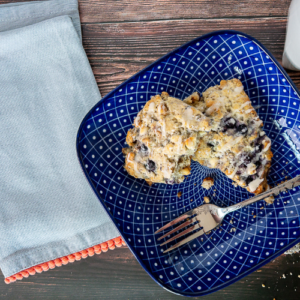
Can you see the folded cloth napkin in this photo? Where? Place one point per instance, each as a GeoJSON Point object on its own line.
{"type": "Point", "coordinates": [291, 54]}
{"type": "Point", "coordinates": [48, 212]}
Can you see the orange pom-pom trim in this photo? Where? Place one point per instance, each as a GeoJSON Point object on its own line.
{"type": "Point", "coordinates": [58, 262]}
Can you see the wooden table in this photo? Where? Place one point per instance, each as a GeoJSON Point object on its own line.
{"type": "Point", "coordinates": [120, 38]}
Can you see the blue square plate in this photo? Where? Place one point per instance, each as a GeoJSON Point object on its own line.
{"type": "Point", "coordinates": [224, 256]}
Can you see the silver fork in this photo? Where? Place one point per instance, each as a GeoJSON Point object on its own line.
{"type": "Point", "coordinates": [209, 216]}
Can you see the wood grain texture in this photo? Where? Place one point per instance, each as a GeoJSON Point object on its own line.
{"type": "Point", "coordinates": [118, 50]}
{"type": "Point", "coordinates": [121, 37]}
{"type": "Point", "coordinates": [119, 11]}
{"type": "Point", "coordinates": [117, 275]}
{"type": "Point", "coordinates": [95, 11]}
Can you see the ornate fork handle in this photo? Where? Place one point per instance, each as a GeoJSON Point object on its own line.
{"type": "Point", "coordinates": [288, 185]}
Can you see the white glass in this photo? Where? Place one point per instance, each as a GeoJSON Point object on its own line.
{"type": "Point", "coordinates": [291, 54]}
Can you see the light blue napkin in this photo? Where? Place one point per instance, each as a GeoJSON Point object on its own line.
{"type": "Point", "coordinates": [47, 208]}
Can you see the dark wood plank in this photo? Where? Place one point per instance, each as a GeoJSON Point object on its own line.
{"type": "Point", "coordinates": [117, 275]}
{"type": "Point", "coordinates": [117, 51]}
{"type": "Point", "coordinates": [128, 36]}
{"type": "Point", "coordinates": [128, 10]}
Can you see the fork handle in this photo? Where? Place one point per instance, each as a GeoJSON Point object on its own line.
{"type": "Point", "coordinates": [288, 185]}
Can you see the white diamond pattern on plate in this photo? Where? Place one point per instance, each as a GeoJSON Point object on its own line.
{"type": "Point", "coordinates": [215, 260]}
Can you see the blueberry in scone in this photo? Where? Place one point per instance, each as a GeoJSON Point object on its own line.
{"type": "Point", "coordinates": [236, 144]}
{"type": "Point", "coordinates": [219, 130]}
{"type": "Point", "coordinates": [165, 136]}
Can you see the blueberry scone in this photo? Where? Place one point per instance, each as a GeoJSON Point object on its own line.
{"type": "Point", "coordinates": [236, 143]}
{"type": "Point", "coordinates": [165, 136]}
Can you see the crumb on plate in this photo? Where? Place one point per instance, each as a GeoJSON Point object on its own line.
{"type": "Point", "coordinates": [207, 183]}
{"type": "Point", "coordinates": [269, 199]}
{"type": "Point", "coordinates": [206, 199]}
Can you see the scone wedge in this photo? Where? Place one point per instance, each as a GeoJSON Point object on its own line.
{"type": "Point", "coordinates": [236, 144]}
{"type": "Point", "coordinates": [165, 136]}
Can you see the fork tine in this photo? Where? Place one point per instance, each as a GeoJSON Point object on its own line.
{"type": "Point", "coordinates": [188, 239]}
{"type": "Point", "coordinates": [181, 234]}
{"type": "Point", "coordinates": [188, 222]}
{"type": "Point", "coordinates": [180, 218]}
